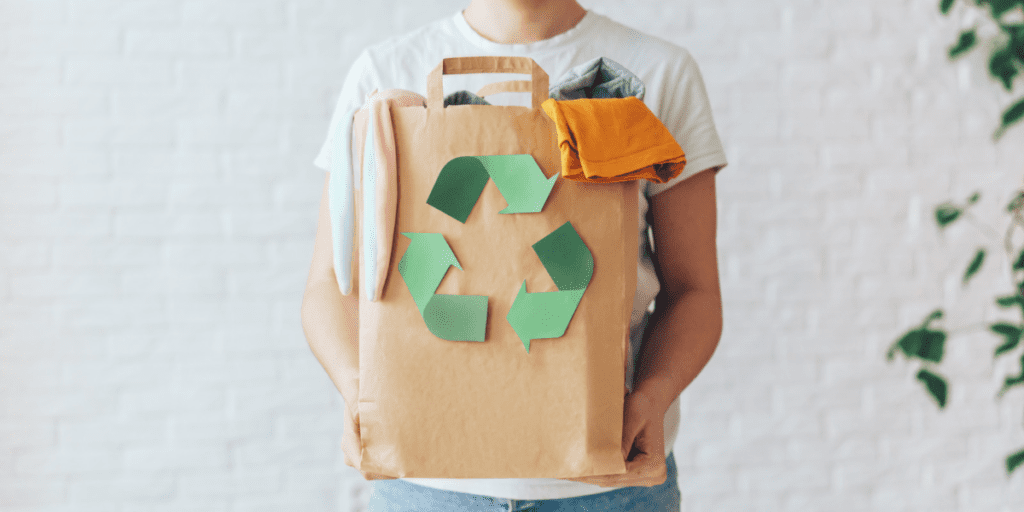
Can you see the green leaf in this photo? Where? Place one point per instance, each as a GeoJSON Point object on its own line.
{"type": "Point", "coordinates": [1014, 461]}
{"type": "Point", "coordinates": [975, 265]}
{"type": "Point", "coordinates": [1004, 329]}
{"type": "Point", "coordinates": [1008, 345]}
{"type": "Point", "coordinates": [1010, 301]}
{"type": "Point", "coordinates": [946, 213]}
{"type": "Point", "coordinates": [1020, 298]}
{"type": "Point", "coordinates": [933, 346]}
{"type": "Point", "coordinates": [1001, 66]}
{"type": "Point", "coordinates": [1017, 202]}
{"type": "Point", "coordinates": [1019, 263]}
{"type": "Point", "coordinates": [909, 344]}
{"type": "Point", "coordinates": [945, 6]}
{"type": "Point", "coordinates": [1011, 335]}
{"type": "Point", "coordinates": [1016, 32]}
{"type": "Point", "coordinates": [936, 386]}
{"type": "Point", "coordinates": [1014, 381]}
{"type": "Point", "coordinates": [1013, 114]}
{"type": "Point", "coordinates": [1000, 7]}
{"type": "Point", "coordinates": [966, 42]}
{"type": "Point", "coordinates": [974, 198]}
{"type": "Point", "coordinates": [925, 344]}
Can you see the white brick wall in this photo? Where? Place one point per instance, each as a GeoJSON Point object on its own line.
{"type": "Point", "coordinates": [157, 208]}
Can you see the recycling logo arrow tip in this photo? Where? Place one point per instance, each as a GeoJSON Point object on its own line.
{"type": "Point", "coordinates": [571, 266]}
{"type": "Point", "coordinates": [449, 317]}
{"type": "Point", "coordinates": [518, 177]}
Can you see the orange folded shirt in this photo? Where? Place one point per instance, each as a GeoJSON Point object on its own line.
{"type": "Point", "coordinates": [608, 140]}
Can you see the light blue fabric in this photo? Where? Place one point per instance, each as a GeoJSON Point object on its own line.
{"type": "Point", "coordinates": [597, 78]}
{"type": "Point", "coordinates": [403, 496]}
{"type": "Point", "coordinates": [341, 203]}
{"type": "Point", "coordinates": [370, 211]}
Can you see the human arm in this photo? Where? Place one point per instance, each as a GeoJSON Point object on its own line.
{"type": "Point", "coordinates": [330, 319]}
{"type": "Point", "coordinates": [687, 320]}
{"type": "Point", "coordinates": [684, 329]}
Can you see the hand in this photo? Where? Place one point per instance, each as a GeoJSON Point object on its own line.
{"type": "Point", "coordinates": [376, 476]}
{"type": "Point", "coordinates": [643, 445]}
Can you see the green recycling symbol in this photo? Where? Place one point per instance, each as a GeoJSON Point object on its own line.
{"type": "Point", "coordinates": [562, 252]}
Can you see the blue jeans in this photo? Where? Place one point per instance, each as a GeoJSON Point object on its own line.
{"type": "Point", "coordinates": [402, 496]}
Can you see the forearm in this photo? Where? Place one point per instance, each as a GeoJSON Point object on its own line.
{"type": "Point", "coordinates": [330, 321]}
{"type": "Point", "coordinates": [681, 338]}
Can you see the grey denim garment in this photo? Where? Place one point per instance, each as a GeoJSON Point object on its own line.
{"type": "Point", "coordinates": [598, 78]}
{"type": "Point", "coordinates": [464, 98]}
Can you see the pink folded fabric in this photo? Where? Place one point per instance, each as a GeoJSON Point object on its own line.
{"type": "Point", "coordinates": [380, 185]}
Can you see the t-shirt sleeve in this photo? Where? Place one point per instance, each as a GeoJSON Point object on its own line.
{"type": "Point", "coordinates": [360, 81]}
{"type": "Point", "coordinates": [687, 115]}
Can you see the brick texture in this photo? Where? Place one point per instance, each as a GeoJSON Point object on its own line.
{"type": "Point", "coordinates": [158, 203]}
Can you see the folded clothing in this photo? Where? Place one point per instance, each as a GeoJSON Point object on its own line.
{"type": "Point", "coordinates": [597, 78]}
{"type": "Point", "coordinates": [464, 98]}
{"type": "Point", "coordinates": [378, 181]}
{"type": "Point", "coordinates": [610, 140]}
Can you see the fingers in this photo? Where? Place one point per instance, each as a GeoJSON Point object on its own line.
{"type": "Point", "coordinates": [632, 430]}
{"type": "Point", "coordinates": [601, 480]}
{"type": "Point", "coordinates": [644, 470]}
{"type": "Point", "coordinates": [643, 448]}
{"type": "Point", "coordinates": [631, 443]}
{"type": "Point", "coordinates": [651, 478]}
{"type": "Point", "coordinates": [645, 479]}
{"type": "Point", "coordinates": [376, 476]}
{"type": "Point", "coordinates": [645, 464]}
{"type": "Point", "coordinates": [647, 470]}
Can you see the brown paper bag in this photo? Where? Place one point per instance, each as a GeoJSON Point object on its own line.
{"type": "Point", "coordinates": [429, 407]}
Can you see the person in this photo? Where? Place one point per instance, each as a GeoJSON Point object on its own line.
{"type": "Point", "coordinates": [677, 269]}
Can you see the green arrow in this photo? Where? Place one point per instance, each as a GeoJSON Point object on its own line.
{"type": "Point", "coordinates": [458, 187]}
{"type": "Point", "coordinates": [449, 317]}
{"type": "Point", "coordinates": [571, 266]}
{"type": "Point", "coordinates": [542, 315]}
{"type": "Point", "coordinates": [566, 258]}
{"type": "Point", "coordinates": [424, 265]}
{"type": "Point", "coordinates": [520, 181]}
{"type": "Point", "coordinates": [518, 177]}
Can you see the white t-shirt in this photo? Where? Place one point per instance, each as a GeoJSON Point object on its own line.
{"type": "Point", "coordinates": [675, 93]}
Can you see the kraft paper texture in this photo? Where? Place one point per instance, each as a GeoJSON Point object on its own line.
{"type": "Point", "coordinates": [434, 408]}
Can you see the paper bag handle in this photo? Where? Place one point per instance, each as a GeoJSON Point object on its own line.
{"type": "Point", "coordinates": [509, 86]}
{"type": "Point", "coordinates": [467, 65]}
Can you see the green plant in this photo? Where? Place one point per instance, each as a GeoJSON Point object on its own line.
{"type": "Point", "coordinates": [1006, 59]}
{"type": "Point", "coordinates": [926, 343]}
